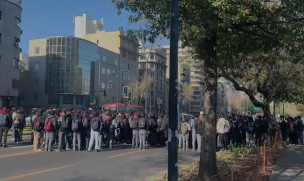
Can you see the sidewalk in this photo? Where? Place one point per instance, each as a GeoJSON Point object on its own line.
{"type": "Point", "coordinates": [289, 165]}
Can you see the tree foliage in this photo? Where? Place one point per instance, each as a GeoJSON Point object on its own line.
{"type": "Point", "coordinates": [140, 89]}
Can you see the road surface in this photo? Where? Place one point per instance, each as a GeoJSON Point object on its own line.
{"type": "Point", "coordinates": [21, 163]}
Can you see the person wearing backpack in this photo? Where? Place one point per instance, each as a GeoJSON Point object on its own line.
{"type": "Point", "coordinates": [250, 130]}
{"type": "Point", "coordinates": [5, 125]}
{"type": "Point", "coordinates": [96, 127]}
{"type": "Point", "coordinates": [64, 127]}
{"type": "Point", "coordinates": [37, 125]}
{"type": "Point", "coordinates": [76, 128]}
{"type": "Point", "coordinates": [86, 131]}
{"type": "Point", "coordinates": [134, 126]}
{"type": "Point", "coordinates": [223, 127]}
{"type": "Point", "coordinates": [142, 132]}
{"type": "Point", "coordinates": [18, 125]}
{"type": "Point", "coordinates": [185, 130]}
{"type": "Point", "coordinates": [49, 128]}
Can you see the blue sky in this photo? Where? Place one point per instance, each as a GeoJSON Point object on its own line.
{"type": "Point", "coordinates": [42, 18]}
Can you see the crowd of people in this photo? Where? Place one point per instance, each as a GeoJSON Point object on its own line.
{"type": "Point", "coordinates": [88, 130]}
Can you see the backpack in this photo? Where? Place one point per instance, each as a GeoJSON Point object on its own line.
{"type": "Point", "coordinates": [184, 129]}
{"type": "Point", "coordinates": [96, 125]}
{"type": "Point", "coordinates": [64, 122]}
{"type": "Point", "coordinates": [142, 123]}
{"type": "Point", "coordinates": [3, 120]}
{"type": "Point", "coordinates": [114, 124]}
{"type": "Point", "coordinates": [250, 127]}
{"type": "Point", "coordinates": [133, 124]}
{"type": "Point", "coordinates": [85, 122]}
{"type": "Point", "coordinates": [37, 124]}
{"type": "Point", "coordinates": [48, 125]}
{"type": "Point", "coordinates": [75, 124]}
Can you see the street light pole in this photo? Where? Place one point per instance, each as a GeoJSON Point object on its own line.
{"type": "Point", "coordinates": [173, 94]}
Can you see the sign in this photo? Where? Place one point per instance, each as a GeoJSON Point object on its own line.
{"type": "Point", "coordinates": [255, 108]}
{"type": "Point", "coordinates": [93, 100]}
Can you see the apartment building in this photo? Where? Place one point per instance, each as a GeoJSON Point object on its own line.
{"type": "Point", "coordinates": [153, 61]}
{"type": "Point", "coordinates": [68, 70]}
{"type": "Point", "coordinates": [10, 32]}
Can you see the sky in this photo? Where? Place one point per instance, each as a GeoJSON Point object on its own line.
{"type": "Point", "coordinates": [43, 18]}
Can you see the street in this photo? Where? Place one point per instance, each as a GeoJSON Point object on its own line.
{"type": "Point", "coordinates": [122, 163]}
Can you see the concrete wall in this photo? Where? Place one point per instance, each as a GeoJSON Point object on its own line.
{"type": "Point", "coordinates": [8, 51]}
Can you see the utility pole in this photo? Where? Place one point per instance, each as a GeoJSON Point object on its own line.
{"type": "Point", "coordinates": [173, 94]}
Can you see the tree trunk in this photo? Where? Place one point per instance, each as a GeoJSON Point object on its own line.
{"type": "Point", "coordinates": [208, 165]}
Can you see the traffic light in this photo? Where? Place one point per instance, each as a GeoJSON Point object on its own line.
{"type": "Point", "coordinates": [125, 92]}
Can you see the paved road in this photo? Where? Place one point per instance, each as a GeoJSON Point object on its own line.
{"type": "Point", "coordinates": [289, 165]}
{"type": "Point", "coordinates": [20, 163]}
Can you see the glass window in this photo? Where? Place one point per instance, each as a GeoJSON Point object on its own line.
{"type": "Point", "coordinates": [17, 21]}
{"type": "Point", "coordinates": [15, 63]}
{"type": "Point", "coordinates": [0, 15]}
{"type": "Point", "coordinates": [129, 78]}
{"type": "Point", "coordinates": [37, 50]}
{"type": "Point", "coordinates": [103, 85]}
{"type": "Point", "coordinates": [104, 58]}
{"type": "Point", "coordinates": [109, 71]}
{"type": "Point", "coordinates": [0, 59]}
{"type": "Point", "coordinates": [116, 61]}
{"type": "Point", "coordinates": [123, 65]}
{"type": "Point", "coordinates": [36, 66]}
{"type": "Point", "coordinates": [123, 76]}
{"type": "Point", "coordinates": [123, 53]}
{"type": "Point", "coordinates": [113, 72]}
{"type": "Point", "coordinates": [103, 70]}
{"type": "Point", "coordinates": [0, 37]}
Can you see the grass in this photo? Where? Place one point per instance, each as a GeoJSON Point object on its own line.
{"type": "Point", "coordinates": [26, 131]}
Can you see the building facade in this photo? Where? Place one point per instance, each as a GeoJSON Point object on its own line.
{"type": "Point", "coordinates": [84, 26]}
{"type": "Point", "coordinates": [153, 61]}
{"type": "Point", "coordinates": [10, 32]}
{"type": "Point", "coordinates": [68, 71]}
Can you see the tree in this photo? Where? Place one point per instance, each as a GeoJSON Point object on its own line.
{"type": "Point", "coordinates": [140, 89]}
{"type": "Point", "coordinates": [228, 36]}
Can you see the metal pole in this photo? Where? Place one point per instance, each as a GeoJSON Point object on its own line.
{"type": "Point", "coordinates": [173, 94]}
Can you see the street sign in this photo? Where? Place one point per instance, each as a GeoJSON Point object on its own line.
{"type": "Point", "coordinates": [93, 100]}
{"type": "Point", "coordinates": [255, 108]}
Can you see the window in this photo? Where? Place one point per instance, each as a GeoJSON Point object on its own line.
{"type": "Point", "coordinates": [123, 76]}
{"type": "Point", "coordinates": [152, 56]}
{"type": "Point", "coordinates": [104, 58]}
{"type": "Point", "coordinates": [129, 78]}
{"type": "Point", "coordinates": [37, 50]}
{"type": "Point", "coordinates": [0, 37]}
{"type": "Point", "coordinates": [109, 71]}
{"type": "Point", "coordinates": [116, 62]}
{"type": "Point", "coordinates": [103, 85]}
{"type": "Point", "coordinates": [97, 42]}
{"type": "Point", "coordinates": [36, 97]}
{"type": "Point", "coordinates": [17, 21]}
{"type": "Point", "coordinates": [113, 72]}
{"type": "Point", "coordinates": [0, 59]}
{"type": "Point", "coordinates": [129, 55]}
{"type": "Point", "coordinates": [0, 15]}
{"type": "Point", "coordinates": [123, 53]}
{"type": "Point", "coordinates": [103, 70]}
{"type": "Point", "coordinates": [123, 66]}
{"type": "Point", "coordinates": [128, 66]}
{"type": "Point", "coordinates": [15, 63]}
{"type": "Point", "coordinates": [36, 66]}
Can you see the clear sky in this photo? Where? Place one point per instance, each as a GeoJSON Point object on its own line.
{"type": "Point", "coordinates": [42, 18]}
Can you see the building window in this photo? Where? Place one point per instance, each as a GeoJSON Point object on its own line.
{"type": "Point", "coordinates": [17, 21]}
{"type": "Point", "coordinates": [36, 97]}
{"type": "Point", "coordinates": [109, 71]}
{"type": "Point", "coordinates": [37, 50]}
{"type": "Point", "coordinates": [128, 66]}
{"type": "Point", "coordinates": [123, 66]}
{"type": "Point", "coordinates": [0, 37]}
{"type": "Point", "coordinates": [103, 70]}
{"type": "Point", "coordinates": [123, 76]}
{"type": "Point", "coordinates": [0, 15]}
{"type": "Point", "coordinates": [97, 42]}
{"type": "Point", "coordinates": [15, 63]}
{"type": "Point", "coordinates": [113, 72]}
{"type": "Point", "coordinates": [129, 55]}
{"type": "Point", "coordinates": [123, 53]}
{"type": "Point", "coordinates": [129, 78]}
{"type": "Point", "coordinates": [15, 84]}
{"type": "Point", "coordinates": [103, 85]}
{"type": "Point", "coordinates": [104, 58]}
{"type": "Point", "coordinates": [0, 59]}
{"type": "Point", "coordinates": [116, 62]}
{"type": "Point", "coordinates": [152, 56]}
{"type": "Point", "coordinates": [36, 66]}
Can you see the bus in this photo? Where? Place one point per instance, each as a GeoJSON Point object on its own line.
{"type": "Point", "coordinates": [120, 107]}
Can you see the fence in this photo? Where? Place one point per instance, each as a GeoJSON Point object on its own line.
{"type": "Point", "coordinates": [253, 165]}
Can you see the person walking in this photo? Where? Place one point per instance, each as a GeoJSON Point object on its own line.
{"type": "Point", "coordinates": [5, 125]}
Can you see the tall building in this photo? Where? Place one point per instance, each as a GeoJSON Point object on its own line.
{"type": "Point", "coordinates": [10, 32]}
{"type": "Point", "coordinates": [84, 26]}
{"type": "Point", "coordinates": [154, 62]}
{"type": "Point", "coordinates": [68, 70]}
{"type": "Point", "coordinates": [23, 62]}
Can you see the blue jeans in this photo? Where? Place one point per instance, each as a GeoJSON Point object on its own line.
{"type": "Point", "coordinates": [17, 134]}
